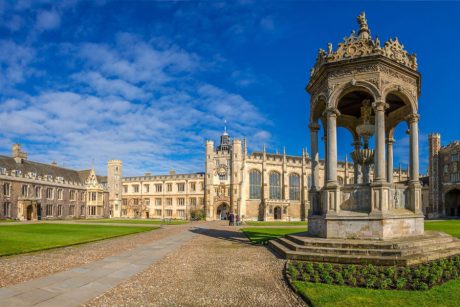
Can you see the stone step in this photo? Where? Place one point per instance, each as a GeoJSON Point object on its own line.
{"type": "Point", "coordinates": [340, 258]}
{"type": "Point", "coordinates": [337, 250]}
{"type": "Point", "coordinates": [364, 244]}
{"type": "Point", "coordinates": [430, 256]}
{"type": "Point", "coordinates": [374, 252]}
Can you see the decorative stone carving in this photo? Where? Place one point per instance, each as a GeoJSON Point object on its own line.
{"type": "Point", "coordinates": [362, 45]}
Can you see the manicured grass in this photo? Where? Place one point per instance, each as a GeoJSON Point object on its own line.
{"type": "Point", "coordinates": [18, 239]}
{"type": "Point", "coordinates": [7, 221]}
{"type": "Point", "coordinates": [262, 235]}
{"type": "Point", "coordinates": [447, 294]}
{"type": "Point", "coordinates": [136, 221]}
{"type": "Point", "coordinates": [254, 223]}
{"type": "Point", "coordinates": [451, 227]}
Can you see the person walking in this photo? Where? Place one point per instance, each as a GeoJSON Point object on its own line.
{"type": "Point", "coordinates": [231, 219]}
{"type": "Point", "coordinates": [237, 220]}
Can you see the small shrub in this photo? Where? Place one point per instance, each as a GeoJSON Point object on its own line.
{"type": "Point", "coordinates": [353, 282]}
{"type": "Point", "coordinates": [339, 278]}
{"type": "Point", "coordinates": [401, 283]}
{"type": "Point", "coordinates": [371, 281]}
{"type": "Point", "coordinates": [386, 283]}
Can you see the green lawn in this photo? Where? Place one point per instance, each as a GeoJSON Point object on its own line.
{"type": "Point", "coordinates": [447, 294]}
{"type": "Point", "coordinates": [258, 223]}
{"type": "Point", "coordinates": [18, 239]}
{"type": "Point", "coordinates": [7, 221]}
{"type": "Point", "coordinates": [262, 235]}
{"type": "Point", "coordinates": [451, 227]}
{"type": "Point", "coordinates": [135, 221]}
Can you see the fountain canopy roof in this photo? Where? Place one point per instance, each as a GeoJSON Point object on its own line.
{"type": "Point", "coordinates": [360, 45]}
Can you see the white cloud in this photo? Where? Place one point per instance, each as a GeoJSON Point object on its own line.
{"type": "Point", "coordinates": [14, 63]}
{"type": "Point", "coordinates": [47, 20]}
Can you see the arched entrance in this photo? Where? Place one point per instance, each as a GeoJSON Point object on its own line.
{"type": "Point", "coordinates": [453, 203]}
{"type": "Point", "coordinates": [277, 212]}
{"type": "Point", "coordinates": [222, 211]}
{"type": "Point", "coordinates": [30, 210]}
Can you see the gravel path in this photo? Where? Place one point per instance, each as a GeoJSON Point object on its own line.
{"type": "Point", "coordinates": [217, 268]}
{"type": "Point", "coordinates": [20, 268]}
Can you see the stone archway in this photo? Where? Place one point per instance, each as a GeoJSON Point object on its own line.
{"type": "Point", "coordinates": [277, 213]}
{"type": "Point", "coordinates": [452, 201]}
{"type": "Point", "coordinates": [222, 211]}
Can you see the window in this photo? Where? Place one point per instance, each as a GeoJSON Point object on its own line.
{"type": "Point", "coordinates": [455, 177]}
{"type": "Point", "coordinates": [454, 156]}
{"type": "Point", "coordinates": [181, 201]}
{"type": "Point", "coordinates": [223, 177]}
{"type": "Point", "coordinates": [93, 196]}
{"type": "Point", "coordinates": [59, 210]}
{"type": "Point", "coordinates": [181, 187]}
{"type": "Point", "coordinates": [49, 210]}
{"type": "Point", "coordinates": [168, 201]}
{"type": "Point", "coordinates": [72, 195]}
{"type": "Point", "coordinates": [125, 189]}
{"type": "Point", "coordinates": [446, 169]}
{"type": "Point", "coordinates": [202, 186]}
{"type": "Point", "coordinates": [255, 184]}
{"type": "Point", "coordinates": [2, 171]}
{"type": "Point", "coordinates": [38, 192]}
{"type": "Point", "coordinates": [157, 201]}
{"type": "Point", "coordinates": [25, 190]}
{"type": "Point", "coordinates": [294, 187]}
{"type": "Point", "coordinates": [169, 187]}
{"type": "Point", "coordinates": [83, 196]}
{"type": "Point", "coordinates": [275, 185]}
{"type": "Point", "coordinates": [6, 189]}
{"type": "Point", "coordinates": [147, 202]}
{"type": "Point", "coordinates": [136, 201]}
{"type": "Point", "coordinates": [49, 193]}
{"type": "Point", "coordinates": [125, 202]}
{"type": "Point", "coordinates": [71, 210]}
{"type": "Point", "coordinates": [92, 210]}
{"type": "Point", "coordinates": [135, 188]}
{"type": "Point", "coordinates": [60, 194]}
{"type": "Point", "coordinates": [193, 202]}
{"type": "Point", "coordinates": [454, 166]}
{"type": "Point", "coordinates": [201, 201]}
{"type": "Point", "coordinates": [193, 186]}
{"type": "Point", "coordinates": [168, 212]}
{"type": "Point", "coordinates": [82, 210]}
{"type": "Point", "coordinates": [146, 188]}
{"type": "Point", "coordinates": [181, 213]}
{"type": "Point", "coordinates": [7, 209]}
{"type": "Point", "coordinates": [157, 212]}
{"type": "Point", "coordinates": [158, 188]}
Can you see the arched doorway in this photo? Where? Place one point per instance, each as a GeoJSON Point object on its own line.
{"type": "Point", "coordinates": [222, 211]}
{"type": "Point", "coordinates": [30, 209]}
{"type": "Point", "coordinates": [277, 213]}
{"type": "Point", "coordinates": [453, 203]}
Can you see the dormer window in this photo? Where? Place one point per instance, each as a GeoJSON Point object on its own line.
{"type": "Point", "coordinates": [32, 174]}
{"type": "Point", "coordinates": [17, 172]}
{"type": "Point", "coordinates": [2, 171]}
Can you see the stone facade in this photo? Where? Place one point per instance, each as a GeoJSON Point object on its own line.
{"type": "Point", "coordinates": [173, 196]}
{"type": "Point", "coordinates": [32, 190]}
{"type": "Point", "coordinates": [444, 178]}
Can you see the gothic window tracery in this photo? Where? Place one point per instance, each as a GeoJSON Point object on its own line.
{"type": "Point", "coordinates": [255, 184]}
{"type": "Point", "coordinates": [294, 187]}
{"type": "Point", "coordinates": [275, 185]}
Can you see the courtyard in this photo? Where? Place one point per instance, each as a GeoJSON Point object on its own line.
{"type": "Point", "coordinates": [191, 264]}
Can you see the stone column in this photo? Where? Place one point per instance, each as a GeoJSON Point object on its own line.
{"type": "Point", "coordinates": [379, 158]}
{"type": "Point", "coordinates": [331, 174]}
{"type": "Point", "coordinates": [413, 122]}
{"type": "Point", "coordinates": [356, 166]}
{"type": "Point", "coordinates": [390, 142]}
{"type": "Point", "coordinates": [314, 128]}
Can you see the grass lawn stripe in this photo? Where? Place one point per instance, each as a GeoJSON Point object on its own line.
{"type": "Point", "coordinates": [18, 239]}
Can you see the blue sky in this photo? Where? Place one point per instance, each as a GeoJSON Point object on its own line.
{"type": "Point", "coordinates": [148, 82]}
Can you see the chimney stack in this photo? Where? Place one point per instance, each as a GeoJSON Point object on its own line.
{"type": "Point", "coordinates": [18, 155]}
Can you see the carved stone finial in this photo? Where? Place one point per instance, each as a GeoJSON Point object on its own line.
{"type": "Point", "coordinates": [329, 48]}
{"type": "Point", "coordinates": [363, 27]}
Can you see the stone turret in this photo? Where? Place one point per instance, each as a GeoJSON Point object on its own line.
{"type": "Point", "coordinates": [114, 176]}
{"type": "Point", "coordinates": [18, 155]}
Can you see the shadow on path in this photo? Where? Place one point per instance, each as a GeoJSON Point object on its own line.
{"type": "Point", "coordinates": [233, 235]}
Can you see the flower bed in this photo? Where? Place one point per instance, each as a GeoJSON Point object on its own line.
{"type": "Point", "coordinates": [418, 277]}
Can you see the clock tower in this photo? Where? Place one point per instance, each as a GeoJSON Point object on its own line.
{"type": "Point", "coordinates": [223, 177]}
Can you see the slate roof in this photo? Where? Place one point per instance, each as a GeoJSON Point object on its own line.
{"type": "Point", "coordinates": [41, 169]}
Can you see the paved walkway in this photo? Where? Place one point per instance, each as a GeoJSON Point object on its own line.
{"type": "Point", "coordinates": [78, 285]}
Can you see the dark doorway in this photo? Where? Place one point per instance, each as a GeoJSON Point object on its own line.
{"type": "Point", "coordinates": [453, 203]}
{"type": "Point", "coordinates": [277, 213]}
{"type": "Point", "coordinates": [30, 209]}
{"type": "Point", "coordinates": [39, 212]}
